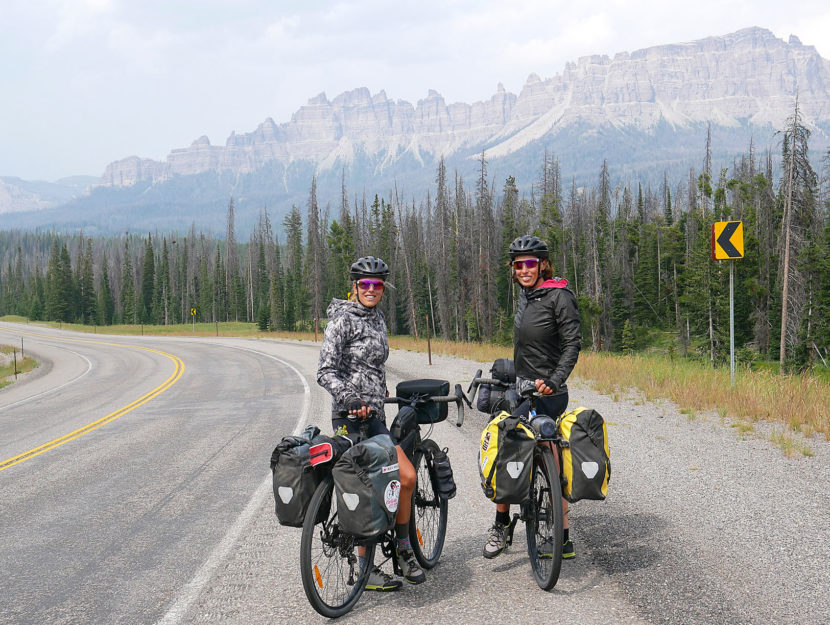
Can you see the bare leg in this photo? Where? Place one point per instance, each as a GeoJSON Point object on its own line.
{"type": "Point", "coordinates": [407, 486]}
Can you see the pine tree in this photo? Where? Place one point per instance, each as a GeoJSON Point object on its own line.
{"type": "Point", "coordinates": [106, 304]}
{"type": "Point", "coordinates": [129, 314]}
{"type": "Point", "coordinates": [88, 296]}
{"type": "Point", "coordinates": [148, 279]}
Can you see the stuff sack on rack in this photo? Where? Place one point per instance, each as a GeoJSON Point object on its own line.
{"type": "Point", "coordinates": [586, 457]}
{"type": "Point", "coordinates": [367, 484]}
{"type": "Point", "coordinates": [505, 459]}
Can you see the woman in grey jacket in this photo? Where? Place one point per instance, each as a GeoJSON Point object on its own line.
{"type": "Point", "coordinates": [352, 368]}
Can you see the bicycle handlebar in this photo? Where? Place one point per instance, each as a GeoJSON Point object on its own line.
{"type": "Point", "coordinates": [458, 398]}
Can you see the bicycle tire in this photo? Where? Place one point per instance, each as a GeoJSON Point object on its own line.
{"type": "Point", "coordinates": [329, 566]}
{"type": "Point", "coordinates": [545, 520]}
{"type": "Point", "coordinates": [428, 520]}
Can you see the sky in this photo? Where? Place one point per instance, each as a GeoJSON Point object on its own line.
{"type": "Point", "coordinates": [87, 82]}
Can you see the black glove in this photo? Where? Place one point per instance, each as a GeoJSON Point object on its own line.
{"type": "Point", "coordinates": [553, 386]}
{"type": "Point", "coordinates": [354, 403]}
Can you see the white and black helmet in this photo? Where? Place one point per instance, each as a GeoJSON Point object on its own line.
{"type": "Point", "coordinates": [528, 245]}
{"type": "Point", "coordinates": [369, 267]}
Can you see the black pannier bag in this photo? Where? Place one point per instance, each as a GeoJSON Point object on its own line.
{"type": "Point", "coordinates": [432, 412]}
{"type": "Point", "coordinates": [367, 484]}
{"type": "Point", "coordinates": [404, 429]}
{"type": "Point", "coordinates": [491, 400]}
{"type": "Point", "coordinates": [443, 474]}
{"type": "Point", "coordinates": [505, 459]}
{"type": "Point", "coordinates": [586, 456]}
{"type": "Point", "coordinates": [295, 478]}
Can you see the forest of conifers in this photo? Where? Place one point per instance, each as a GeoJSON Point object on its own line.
{"type": "Point", "coordinates": [638, 259]}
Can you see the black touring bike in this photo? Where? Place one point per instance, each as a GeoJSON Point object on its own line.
{"type": "Point", "coordinates": [331, 574]}
{"type": "Point", "coordinates": [542, 512]}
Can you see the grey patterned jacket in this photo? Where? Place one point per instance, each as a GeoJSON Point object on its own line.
{"type": "Point", "coordinates": [352, 358]}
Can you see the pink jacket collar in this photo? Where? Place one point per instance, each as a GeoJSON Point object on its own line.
{"type": "Point", "coordinates": [554, 283]}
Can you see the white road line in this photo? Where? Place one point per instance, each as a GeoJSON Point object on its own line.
{"type": "Point", "coordinates": [193, 588]}
{"type": "Point", "coordinates": [57, 388]}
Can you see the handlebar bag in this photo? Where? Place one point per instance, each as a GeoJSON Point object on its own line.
{"type": "Point", "coordinates": [367, 484]}
{"type": "Point", "coordinates": [505, 459]}
{"type": "Point", "coordinates": [586, 457]}
{"type": "Point", "coordinates": [491, 400]}
{"type": "Point", "coordinates": [431, 412]}
{"type": "Point", "coordinates": [504, 369]}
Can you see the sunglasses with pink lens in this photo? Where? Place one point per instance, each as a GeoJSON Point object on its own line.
{"type": "Point", "coordinates": [530, 263]}
{"type": "Point", "coordinates": [365, 285]}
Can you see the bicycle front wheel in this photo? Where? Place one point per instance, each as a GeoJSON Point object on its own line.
{"type": "Point", "coordinates": [428, 521]}
{"type": "Point", "coordinates": [545, 520]}
{"type": "Point", "coordinates": [332, 579]}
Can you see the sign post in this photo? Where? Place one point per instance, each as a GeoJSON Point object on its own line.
{"type": "Point", "coordinates": [193, 317]}
{"type": "Point", "coordinates": [728, 244]}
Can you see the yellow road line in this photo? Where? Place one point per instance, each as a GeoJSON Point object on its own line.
{"type": "Point", "coordinates": [174, 377]}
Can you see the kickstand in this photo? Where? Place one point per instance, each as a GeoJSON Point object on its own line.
{"type": "Point", "coordinates": [510, 529]}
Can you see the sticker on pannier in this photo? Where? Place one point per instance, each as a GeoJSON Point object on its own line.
{"type": "Point", "coordinates": [586, 457]}
{"type": "Point", "coordinates": [367, 485]}
{"type": "Point", "coordinates": [505, 459]}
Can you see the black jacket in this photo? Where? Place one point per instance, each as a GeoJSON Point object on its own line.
{"type": "Point", "coordinates": [546, 333]}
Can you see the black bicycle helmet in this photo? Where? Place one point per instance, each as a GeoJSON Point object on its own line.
{"type": "Point", "coordinates": [369, 267]}
{"type": "Point", "coordinates": [528, 245]}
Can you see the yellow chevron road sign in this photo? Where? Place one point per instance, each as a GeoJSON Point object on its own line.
{"type": "Point", "coordinates": [727, 240]}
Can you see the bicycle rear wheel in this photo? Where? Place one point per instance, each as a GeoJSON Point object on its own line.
{"type": "Point", "coordinates": [428, 521]}
{"type": "Point", "coordinates": [545, 520]}
{"type": "Point", "coordinates": [332, 579]}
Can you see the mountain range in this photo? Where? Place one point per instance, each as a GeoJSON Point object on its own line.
{"type": "Point", "coordinates": [646, 112]}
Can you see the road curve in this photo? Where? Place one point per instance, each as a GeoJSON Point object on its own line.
{"type": "Point", "coordinates": [164, 515]}
{"type": "Point", "coordinates": [111, 525]}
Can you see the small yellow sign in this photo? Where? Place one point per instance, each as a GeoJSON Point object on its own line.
{"type": "Point", "coordinates": [727, 240]}
{"type": "Point", "coordinates": [192, 312]}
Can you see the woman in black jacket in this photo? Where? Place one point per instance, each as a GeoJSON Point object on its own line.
{"type": "Point", "coordinates": [546, 342]}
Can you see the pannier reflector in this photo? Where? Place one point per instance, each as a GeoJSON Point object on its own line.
{"type": "Point", "coordinates": [286, 493]}
{"type": "Point", "coordinates": [351, 500]}
{"type": "Point", "coordinates": [590, 469]}
{"type": "Point", "coordinates": [514, 469]}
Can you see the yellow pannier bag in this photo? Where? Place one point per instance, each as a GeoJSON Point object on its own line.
{"type": "Point", "coordinates": [505, 459]}
{"type": "Point", "coordinates": [586, 457]}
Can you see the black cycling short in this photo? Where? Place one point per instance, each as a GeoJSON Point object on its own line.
{"type": "Point", "coordinates": [552, 406]}
{"type": "Point", "coordinates": [353, 429]}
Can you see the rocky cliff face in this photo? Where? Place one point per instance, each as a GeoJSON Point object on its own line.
{"type": "Point", "coordinates": [746, 78]}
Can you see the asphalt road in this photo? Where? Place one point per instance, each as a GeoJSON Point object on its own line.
{"type": "Point", "coordinates": [157, 506]}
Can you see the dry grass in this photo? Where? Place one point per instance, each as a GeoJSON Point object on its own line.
{"type": "Point", "coordinates": [802, 403]}
{"type": "Point", "coordinates": [789, 445]}
{"type": "Point", "coordinates": [7, 365]}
